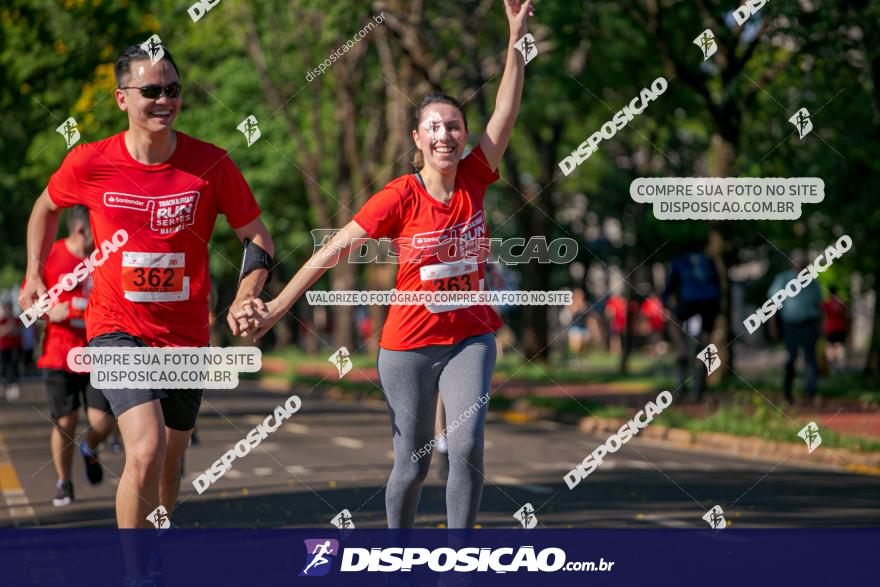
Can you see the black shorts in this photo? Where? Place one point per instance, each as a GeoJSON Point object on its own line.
{"type": "Point", "coordinates": [836, 337]}
{"type": "Point", "coordinates": [67, 392]}
{"type": "Point", "coordinates": [180, 407]}
{"type": "Point", "coordinates": [707, 310]}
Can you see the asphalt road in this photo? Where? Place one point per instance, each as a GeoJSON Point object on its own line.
{"type": "Point", "coordinates": [335, 454]}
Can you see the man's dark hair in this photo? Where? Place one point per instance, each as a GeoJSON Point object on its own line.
{"type": "Point", "coordinates": [136, 53]}
{"type": "Point", "coordinates": [76, 215]}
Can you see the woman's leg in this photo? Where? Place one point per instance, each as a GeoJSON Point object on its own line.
{"type": "Point", "coordinates": [464, 385]}
{"type": "Point", "coordinates": [409, 379]}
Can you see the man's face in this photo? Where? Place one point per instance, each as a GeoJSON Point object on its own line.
{"type": "Point", "coordinates": [88, 239]}
{"type": "Point", "coordinates": [152, 115]}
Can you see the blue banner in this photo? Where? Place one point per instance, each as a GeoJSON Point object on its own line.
{"type": "Point", "coordinates": [192, 557]}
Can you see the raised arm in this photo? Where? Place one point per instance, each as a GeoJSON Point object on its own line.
{"type": "Point", "coordinates": [500, 126]}
{"type": "Point", "coordinates": [325, 258]}
{"type": "Point", "coordinates": [41, 230]}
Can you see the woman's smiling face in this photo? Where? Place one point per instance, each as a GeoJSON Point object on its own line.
{"type": "Point", "coordinates": [441, 136]}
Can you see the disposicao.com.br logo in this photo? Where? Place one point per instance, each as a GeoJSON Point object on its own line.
{"type": "Point", "coordinates": [322, 552]}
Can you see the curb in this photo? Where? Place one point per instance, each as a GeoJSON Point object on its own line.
{"type": "Point", "coordinates": [749, 446]}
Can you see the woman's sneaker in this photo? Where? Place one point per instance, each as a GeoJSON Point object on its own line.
{"type": "Point", "coordinates": [63, 494]}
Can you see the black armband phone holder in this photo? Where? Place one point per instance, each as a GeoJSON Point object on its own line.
{"type": "Point", "coordinates": [254, 257]}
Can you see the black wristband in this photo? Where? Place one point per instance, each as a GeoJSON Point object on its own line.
{"type": "Point", "coordinates": [254, 257]}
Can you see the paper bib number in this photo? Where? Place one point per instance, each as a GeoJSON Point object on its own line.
{"type": "Point", "coordinates": [461, 275]}
{"type": "Point", "coordinates": [154, 277]}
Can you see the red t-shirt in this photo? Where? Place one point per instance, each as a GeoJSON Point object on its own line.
{"type": "Point", "coordinates": [62, 336]}
{"type": "Point", "coordinates": [835, 315]}
{"type": "Point", "coordinates": [652, 309]}
{"type": "Point", "coordinates": [156, 286]}
{"type": "Point", "coordinates": [10, 333]}
{"type": "Point", "coordinates": [615, 308]}
{"type": "Point", "coordinates": [406, 212]}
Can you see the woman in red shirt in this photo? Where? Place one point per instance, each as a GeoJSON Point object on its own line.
{"type": "Point", "coordinates": [429, 348]}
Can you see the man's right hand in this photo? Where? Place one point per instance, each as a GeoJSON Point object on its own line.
{"type": "Point", "coordinates": [31, 292]}
{"type": "Point", "coordinates": [59, 312]}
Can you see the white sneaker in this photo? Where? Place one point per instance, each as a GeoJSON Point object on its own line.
{"type": "Point", "coordinates": [13, 392]}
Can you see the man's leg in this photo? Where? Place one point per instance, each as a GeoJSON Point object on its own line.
{"type": "Point", "coordinates": [64, 400]}
{"type": "Point", "coordinates": [101, 420]}
{"type": "Point", "coordinates": [789, 336]}
{"type": "Point", "coordinates": [176, 442]}
{"type": "Point", "coordinates": [180, 408]}
{"type": "Point", "coordinates": [809, 336]}
{"type": "Point", "coordinates": [143, 432]}
{"type": "Point", "coordinates": [101, 424]}
{"type": "Point", "coordinates": [62, 443]}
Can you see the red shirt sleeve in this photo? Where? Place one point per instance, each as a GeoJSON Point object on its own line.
{"type": "Point", "coordinates": [382, 215]}
{"type": "Point", "coordinates": [64, 186]}
{"type": "Point", "coordinates": [234, 195]}
{"type": "Point", "coordinates": [477, 166]}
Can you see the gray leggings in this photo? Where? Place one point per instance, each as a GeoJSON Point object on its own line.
{"type": "Point", "coordinates": [462, 373]}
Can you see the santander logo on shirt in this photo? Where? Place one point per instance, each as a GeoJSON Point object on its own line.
{"type": "Point", "coordinates": [168, 214]}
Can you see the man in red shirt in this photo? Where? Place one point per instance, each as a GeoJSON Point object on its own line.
{"type": "Point", "coordinates": [10, 350]}
{"type": "Point", "coordinates": [835, 330]}
{"type": "Point", "coordinates": [164, 189]}
{"type": "Point", "coordinates": [66, 329]}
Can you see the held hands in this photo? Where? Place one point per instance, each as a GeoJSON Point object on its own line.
{"type": "Point", "coordinates": [253, 317]}
{"type": "Point", "coordinates": [517, 12]}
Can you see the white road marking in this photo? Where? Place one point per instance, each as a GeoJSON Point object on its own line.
{"type": "Point", "coordinates": [520, 484]}
{"type": "Point", "coordinates": [666, 520]}
{"type": "Point", "coordinates": [297, 470]}
{"type": "Point", "coordinates": [263, 471]}
{"type": "Point", "coordinates": [346, 442]}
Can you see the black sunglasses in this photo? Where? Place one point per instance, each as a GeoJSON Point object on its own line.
{"type": "Point", "coordinates": [153, 91]}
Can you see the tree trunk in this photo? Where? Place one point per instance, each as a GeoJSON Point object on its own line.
{"type": "Point", "coordinates": [722, 164]}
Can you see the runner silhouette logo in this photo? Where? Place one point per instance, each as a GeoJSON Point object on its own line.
{"type": "Point", "coordinates": [68, 129]}
{"type": "Point", "coordinates": [801, 121]}
{"type": "Point", "coordinates": [343, 520]}
{"type": "Point", "coordinates": [153, 47]}
{"type": "Point", "coordinates": [715, 518]}
{"type": "Point", "coordinates": [526, 516]}
{"type": "Point", "coordinates": [706, 42]}
{"type": "Point", "coordinates": [320, 554]}
{"type": "Point", "coordinates": [709, 356]}
{"type": "Point", "coordinates": [250, 130]}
